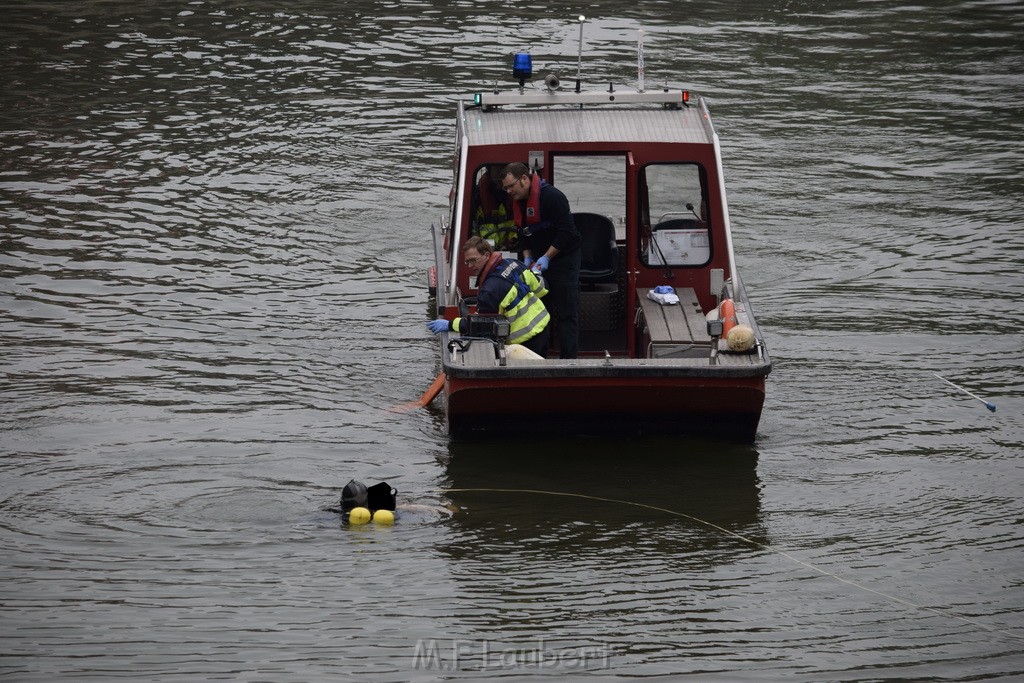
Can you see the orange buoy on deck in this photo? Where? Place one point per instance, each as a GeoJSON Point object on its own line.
{"type": "Point", "coordinates": [727, 312]}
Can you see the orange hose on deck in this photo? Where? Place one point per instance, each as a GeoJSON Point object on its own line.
{"type": "Point", "coordinates": [429, 395]}
{"type": "Point", "coordinates": [432, 391]}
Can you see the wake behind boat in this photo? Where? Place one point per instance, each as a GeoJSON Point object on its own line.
{"type": "Point", "coordinates": [668, 340]}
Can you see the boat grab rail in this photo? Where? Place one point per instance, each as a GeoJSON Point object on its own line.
{"type": "Point", "coordinates": [456, 232]}
{"type": "Point", "coordinates": [668, 98]}
{"type": "Point", "coordinates": [726, 224]}
{"type": "Point", "coordinates": [442, 274]}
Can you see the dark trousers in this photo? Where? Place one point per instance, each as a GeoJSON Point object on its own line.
{"type": "Point", "coordinates": [563, 301]}
{"type": "Point", "coordinates": [539, 342]}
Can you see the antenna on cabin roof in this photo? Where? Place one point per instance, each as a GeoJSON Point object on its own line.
{"type": "Point", "coordinates": [501, 63]}
{"type": "Point", "coordinates": [579, 59]}
{"type": "Point", "coordinates": [640, 60]}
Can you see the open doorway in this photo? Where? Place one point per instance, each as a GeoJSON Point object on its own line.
{"type": "Point", "coordinates": [595, 186]}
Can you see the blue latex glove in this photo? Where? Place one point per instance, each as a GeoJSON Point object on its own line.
{"type": "Point", "coordinates": [527, 261]}
{"type": "Point", "coordinates": [438, 326]}
{"type": "Point", "coordinates": [542, 264]}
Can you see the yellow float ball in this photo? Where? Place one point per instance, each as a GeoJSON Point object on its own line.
{"type": "Point", "coordinates": [386, 517]}
{"type": "Point", "coordinates": [359, 516]}
{"type": "Point", "coordinates": [740, 338]}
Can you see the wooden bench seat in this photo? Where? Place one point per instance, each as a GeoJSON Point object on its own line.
{"type": "Point", "coordinates": [675, 330]}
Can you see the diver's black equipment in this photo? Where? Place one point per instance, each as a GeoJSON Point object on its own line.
{"type": "Point", "coordinates": [381, 497]}
{"type": "Point", "coordinates": [354, 495]}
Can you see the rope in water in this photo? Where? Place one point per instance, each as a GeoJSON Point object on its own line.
{"type": "Point", "coordinates": [750, 541]}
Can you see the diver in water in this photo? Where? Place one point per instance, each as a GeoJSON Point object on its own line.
{"type": "Point", "coordinates": [356, 495]}
{"type": "Point", "coordinates": [378, 497]}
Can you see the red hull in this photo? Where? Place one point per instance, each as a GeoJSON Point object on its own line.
{"type": "Point", "coordinates": [730, 407]}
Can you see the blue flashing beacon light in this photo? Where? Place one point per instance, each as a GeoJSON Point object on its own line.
{"type": "Point", "coordinates": [522, 67]}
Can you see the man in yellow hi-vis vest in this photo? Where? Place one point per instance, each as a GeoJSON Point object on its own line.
{"type": "Point", "coordinates": [492, 219]}
{"type": "Point", "coordinates": [506, 287]}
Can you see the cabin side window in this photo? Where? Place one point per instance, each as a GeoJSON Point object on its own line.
{"type": "Point", "coordinates": [673, 215]}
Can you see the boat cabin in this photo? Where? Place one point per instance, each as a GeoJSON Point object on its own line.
{"type": "Point", "coordinates": [645, 190]}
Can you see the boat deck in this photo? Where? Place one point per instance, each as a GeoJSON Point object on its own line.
{"type": "Point", "coordinates": [676, 343]}
{"type": "Point", "coordinates": [483, 353]}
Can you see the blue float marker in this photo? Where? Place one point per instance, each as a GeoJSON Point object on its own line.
{"type": "Point", "coordinates": [988, 404]}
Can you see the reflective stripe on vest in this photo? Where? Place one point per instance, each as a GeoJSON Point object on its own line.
{"type": "Point", "coordinates": [497, 226]}
{"type": "Point", "coordinates": [522, 305]}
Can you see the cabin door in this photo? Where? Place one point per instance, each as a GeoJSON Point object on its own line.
{"type": "Point", "coordinates": [595, 185]}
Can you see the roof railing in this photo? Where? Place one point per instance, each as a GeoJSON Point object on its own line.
{"type": "Point", "coordinates": [673, 99]}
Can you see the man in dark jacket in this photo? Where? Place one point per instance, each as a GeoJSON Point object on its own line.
{"type": "Point", "coordinates": [507, 288]}
{"type": "Point", "coordinates": [550, 243]}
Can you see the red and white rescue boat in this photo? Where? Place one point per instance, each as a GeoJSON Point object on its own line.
{"type": "Point", "coordinates": [643, 174]}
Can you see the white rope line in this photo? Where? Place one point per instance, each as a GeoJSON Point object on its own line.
{"type": "Point", "coordinates": [758, 544]}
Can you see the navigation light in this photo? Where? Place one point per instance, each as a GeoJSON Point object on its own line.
{"type": "Point", "coordinates": [522, 67]}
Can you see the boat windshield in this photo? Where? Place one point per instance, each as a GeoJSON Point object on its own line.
{"type": "Point", "coordinates": [673, 213]}
{"type": "Point", "coordinates": [594, 184]}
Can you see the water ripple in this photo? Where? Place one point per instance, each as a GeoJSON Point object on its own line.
{"type": "Point", "coordinates": [214, 231]}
